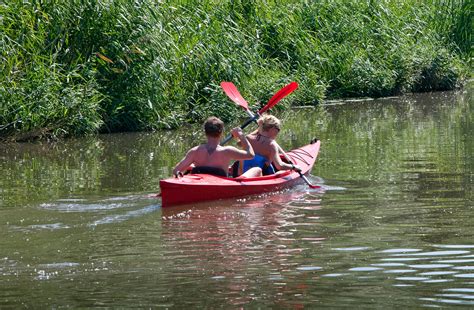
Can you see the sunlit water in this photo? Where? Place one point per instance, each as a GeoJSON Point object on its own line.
{"type": "Point", "coordinates": [392, 225]}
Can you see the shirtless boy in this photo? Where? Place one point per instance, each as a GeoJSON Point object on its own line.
{"type": "Point", "coordinates": [212, 158]}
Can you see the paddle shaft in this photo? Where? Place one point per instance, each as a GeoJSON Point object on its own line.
{"type": "Point", "coordinates": [248, 122]}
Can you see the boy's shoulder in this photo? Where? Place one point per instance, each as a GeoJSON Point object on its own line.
{"type": "Point", "coordinates": [197, 148]}
{"type": "Point", "coordinates": [227, 148]}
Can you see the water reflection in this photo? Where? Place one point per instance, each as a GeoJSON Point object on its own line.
{"type": "Point", "coordinates": [248, 243]}
{"type": "Point", "coordinates": [390, 227]}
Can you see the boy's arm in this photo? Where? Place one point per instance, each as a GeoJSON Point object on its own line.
{"type": "Point", "coordinates": [255, 132]}
{"type": "Point", "coordinates": [185, 162]}
{"type": "Point", "coordinates": [247, 152]}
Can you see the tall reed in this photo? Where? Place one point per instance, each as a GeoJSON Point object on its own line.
{"type": "Point", "coordinates": [453, 20]}
{"type": "Point", "coordinates": [82, 66]}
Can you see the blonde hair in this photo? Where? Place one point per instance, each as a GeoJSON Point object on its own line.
{"type": "Point", "coordinates": [267, 122]}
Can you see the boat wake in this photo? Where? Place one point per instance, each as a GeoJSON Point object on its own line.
{"type": "Point", "coordinates": [324, 187]}
{"type": "Point", "coordinates": [117, 218]}
{"type": "Point", "coordinates": [62, 213]}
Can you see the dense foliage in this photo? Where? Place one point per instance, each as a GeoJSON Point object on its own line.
{"type": "Point", "coordinates": [82, 66]}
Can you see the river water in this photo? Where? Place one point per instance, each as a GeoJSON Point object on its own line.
{"type": "Point", "coordinates": [392, 225]}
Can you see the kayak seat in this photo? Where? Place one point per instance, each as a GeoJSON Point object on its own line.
{"type": "Point", "coordinates": [234, 169]}
{"type": "Point", "coordinates": [209, 170]}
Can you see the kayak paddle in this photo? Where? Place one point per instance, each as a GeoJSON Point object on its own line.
{"type": "Point", "coordinates": [282, 93]}
{"type": "Point", "coordinates": [234, 95]}
{"type": "Point", "coordinates": [232, 92]}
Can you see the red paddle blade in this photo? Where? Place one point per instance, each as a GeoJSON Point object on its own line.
{"type": "Point", "coordinates": [234, 95]}
{"type": "Point", "coordinates": [282, 93]}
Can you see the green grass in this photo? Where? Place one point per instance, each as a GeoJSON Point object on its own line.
{"type": "Point", "coordinates": [78, 67]}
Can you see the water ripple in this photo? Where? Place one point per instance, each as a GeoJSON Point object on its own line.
{"type": "Point", "coordinates": [462, 296]}
{"type": "Point", "coordinates": [455, 261]}
{"type": "Point", "coordinates": [389, 265]}
{"type": "Point", "coordinates": [399, 271]}
{"type": "Point", "coordinates": [50, 226]}
{"type": "Point", "coordinates": [449, 301]}
{"type": "Point", "coordinates": [431, 266]}
{"type": "Point", "coordinates": [365, 269]}
{"type": "Point", "coordinates": [351, 249]}
{"type": "Point", "coordinates": [454, 246]}
{"type": "Point", "coordinates": [400, 250]}
{"type": "Point", "coordinates": [437, 273]}
{"type": "Point", "coordinates": [309, 268]}
{"type": "Point", "coordinates": [465, 275]}
{"type": "Point", "coordinates": [334, 275]}
{"type": "Point", "coordinates": [462, 290]}
{"type": "Point", "coordinates": [434, 253]}
{"type": "Point", "coordinates": [412, 278]}
{"type": "Point", "coordinates": [464, 268]}
{"type": "Point", "coordinates": [59, 265]}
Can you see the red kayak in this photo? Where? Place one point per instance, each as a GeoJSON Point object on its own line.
{"type": "Point", "coordinates": [203, 187]}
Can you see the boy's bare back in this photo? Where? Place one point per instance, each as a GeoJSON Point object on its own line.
{"type": "Point", "coordinates": [219, 157]}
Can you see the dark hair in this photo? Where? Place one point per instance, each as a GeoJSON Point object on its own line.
{"type": "Point", "coordinates": [213, 127]}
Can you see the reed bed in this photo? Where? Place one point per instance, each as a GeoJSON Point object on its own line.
{"type": "Point", "coordinates": [84, 66]}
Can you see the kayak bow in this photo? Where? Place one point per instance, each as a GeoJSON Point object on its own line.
{"type": "Point", "coordinates": [193, 188]}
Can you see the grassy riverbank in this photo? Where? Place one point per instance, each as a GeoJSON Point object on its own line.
{"type": "Point", "coordinates": [78, 67]}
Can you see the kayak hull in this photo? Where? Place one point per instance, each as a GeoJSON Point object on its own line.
{"type": "Point", "coordinates": [194, 188]}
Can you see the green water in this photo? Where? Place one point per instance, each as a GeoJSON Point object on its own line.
{"type": "Point", "coordinates": [392, 226]}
